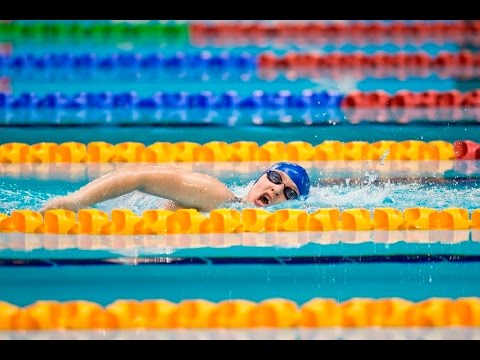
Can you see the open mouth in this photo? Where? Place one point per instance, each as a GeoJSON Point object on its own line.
{"type": "Point", "coordinates": [264, 200]}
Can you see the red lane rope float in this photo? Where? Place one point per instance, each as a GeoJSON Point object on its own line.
{"type": "Point", "coordinates": [323, 32]}
{"type": "Point", "coordinates": [5, 85]}
{"type": "Point", "coordinates": [398, 115]}
{"type": "Point", "coordinates": [361, 72]}
{"type": "Point", "coordinates": [325, 28]}
{"type": "Point", "coordinates": [408, 99]}
{"type": "Point", "coordinates": [466, 150]}
{"type": "Point", "coordinates": [306, 39]}
{"type": "Point", "coordinates": [238, 313]}
{"type": "Point", "coordinates": [6, 48]}
{"type": "Point", "coordinates": [402, 59]}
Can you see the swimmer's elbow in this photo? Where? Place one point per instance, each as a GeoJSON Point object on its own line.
{"type": "Point", "coordinates": [157, 180]}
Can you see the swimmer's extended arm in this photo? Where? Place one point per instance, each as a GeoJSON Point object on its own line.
{"type": "Point", "coordinates": [187, 189]}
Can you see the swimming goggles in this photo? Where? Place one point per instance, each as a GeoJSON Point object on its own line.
{"type": "Point", "coordinates": [276, 178]}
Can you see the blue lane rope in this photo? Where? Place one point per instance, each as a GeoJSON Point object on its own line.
{"type": "Point", "coordinates": [182, 99]}
{"type": "Point", "coordinates": [129, 60]}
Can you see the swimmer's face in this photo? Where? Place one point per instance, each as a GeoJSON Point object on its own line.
{"type": "Point", "coordinates": [272, 189]}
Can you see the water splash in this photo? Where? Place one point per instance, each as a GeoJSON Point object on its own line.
{"type": "Point", "coordinates": [17, 196]}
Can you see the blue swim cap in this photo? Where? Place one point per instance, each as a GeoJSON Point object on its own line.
{"type": "Point", "coordinates": [297, 173]}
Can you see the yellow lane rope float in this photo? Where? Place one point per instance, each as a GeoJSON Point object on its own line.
{"type": "Point", "coordinates": [230, 221]}
{"type": "Point", "coordinates": [270, 313]}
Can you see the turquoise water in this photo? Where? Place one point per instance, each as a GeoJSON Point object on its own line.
{"type": "Point", "coordinates": [300, 283]}
{"type": "Point", "coordinates": [148, 86]}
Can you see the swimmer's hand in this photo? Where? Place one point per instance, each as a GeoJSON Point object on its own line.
{"type": "Point", "coordinates": [68, 202]}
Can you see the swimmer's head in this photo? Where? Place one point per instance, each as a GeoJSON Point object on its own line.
{"type": "Point", "coordinates": [281, 182]}
{"type": "Point", "coordinates": [297, 174]}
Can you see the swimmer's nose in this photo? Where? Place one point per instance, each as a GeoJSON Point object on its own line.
{"type": "Point", "coordinates": [277, 189]}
